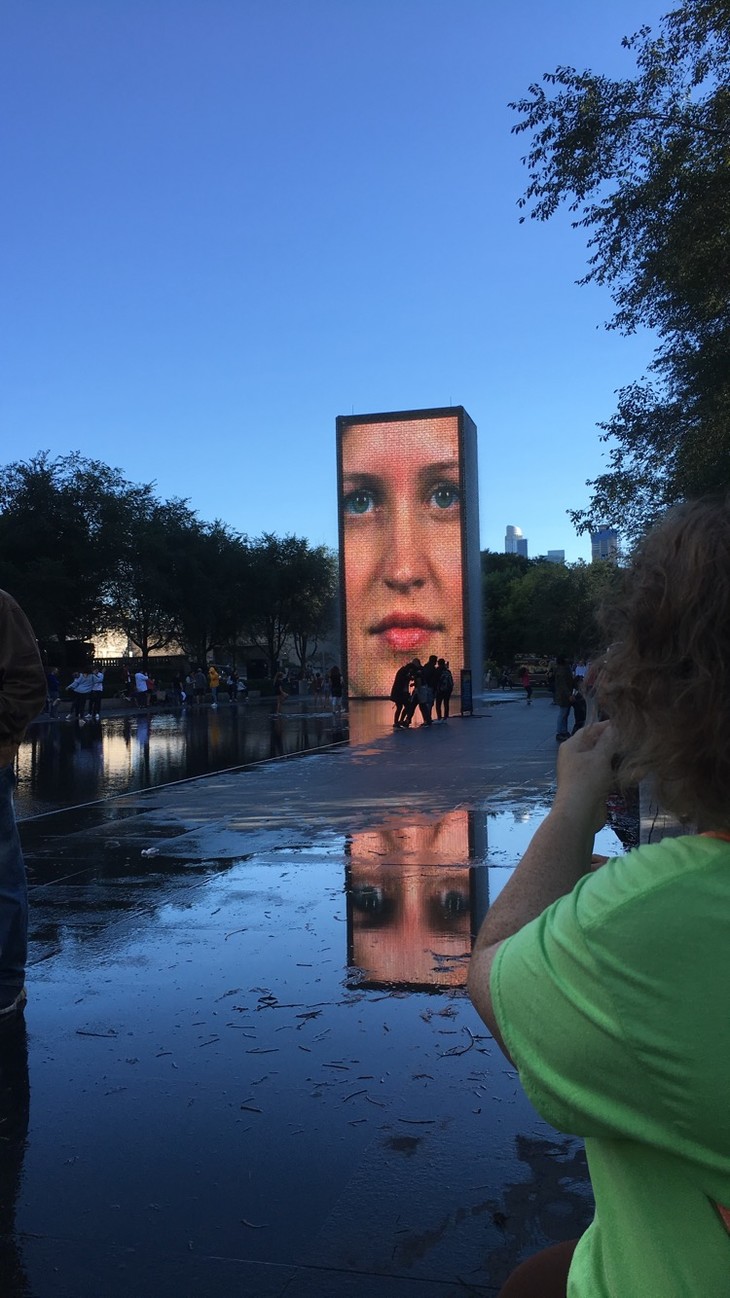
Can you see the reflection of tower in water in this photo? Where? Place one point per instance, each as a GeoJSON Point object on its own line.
{"type": "Point", "coordinates": [415, 896]}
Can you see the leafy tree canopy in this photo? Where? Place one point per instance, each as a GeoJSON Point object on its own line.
{"type": "Point", "coordinates": [145, 593]}
{"type": "Point", "coordinates": [293, 586]}
{"type": "Point", "coordinates": [61, 525]}
{"type": "Point", "coordinates": [644, 166]}
{"type": "Point", "coordinates": [84, 551]}
{"type": "Point", "coordinates": [534, 606]}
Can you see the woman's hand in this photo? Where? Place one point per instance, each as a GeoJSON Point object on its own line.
{"type": "Point", "coordinates": [585, 773]}
{"type": "Point", "coordinates": [557, 857]}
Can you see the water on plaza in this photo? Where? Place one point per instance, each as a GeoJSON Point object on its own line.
{"type": "Point", "coordinates": [274, 1020]}
{"type": "Point", "coordinates": [296, 1018]}
{"type": "Point", "coordinates": [62, 764]}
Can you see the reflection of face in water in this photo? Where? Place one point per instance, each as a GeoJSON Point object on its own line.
{"type": "Point", "coordinates": [401, 511]}
{"type": "Point", "coordinates": [411, 925]}
{"type": "Point", "coordinates": [410, 903]}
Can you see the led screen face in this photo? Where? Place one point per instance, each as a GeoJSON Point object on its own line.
{"type": "Point", "coordinates": [401, 494]}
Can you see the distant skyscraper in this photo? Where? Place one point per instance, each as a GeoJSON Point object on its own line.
{"type": "Point", "coordinates": [515, 542]}
{"type": "Point", "coordinates": [604, 545]}
{"type": "Point", "coordinates": [556, 556]}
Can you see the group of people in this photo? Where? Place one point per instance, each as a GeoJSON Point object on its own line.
{"type": "Point", "coordinates": [87, 688]}
{"type": "Point", "coordinates": [198, 684]}
{"type": "Point", "coordinates": [421, 685]}
{"type": "Point", "coordinates": [194, 688]}
{"type": "Point", "coordinates": [331, 686]}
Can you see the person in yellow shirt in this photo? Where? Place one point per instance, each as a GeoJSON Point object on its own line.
{"type": "Point", "coordinates": [213, 683]}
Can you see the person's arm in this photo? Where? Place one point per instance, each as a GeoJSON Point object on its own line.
{"type": "Point", "coordinates": [557, 857]}
{"type": "Point", "coordinates": [22, 678]}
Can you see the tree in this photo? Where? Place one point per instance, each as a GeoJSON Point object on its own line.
{"type": "Point", "coordinates": [644, 164]}
{"type": "Point", "coordinates": [146, 601]}
{"type": "Point", "coordinates": [211, 578]}
{"type": "Point", "coordinates": [314, 609]}
{"type": "Point", "coordinates": [61, 522]}
{"type": "Point", "coordinates": [500, 572]}
{"type": "Point", "coordinates": [292, 590]}
{"type": "Point", "coordinates": [534, 606]}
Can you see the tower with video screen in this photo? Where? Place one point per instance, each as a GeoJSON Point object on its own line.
{"type": "Point", "coordinates": [409, 544]}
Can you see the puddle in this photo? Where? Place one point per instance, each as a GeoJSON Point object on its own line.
{"type": "Point", "coordinates": [410, 898]}
{"type": "Point", "coordinates": [508, 833]}
{"type": "Point", "coordinates": [277, 1041]}
{"type": "Point", "coordinates": [417, 895]}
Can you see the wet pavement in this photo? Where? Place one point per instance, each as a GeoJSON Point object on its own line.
{"type": "Point", "coordinates": [249, 1066]}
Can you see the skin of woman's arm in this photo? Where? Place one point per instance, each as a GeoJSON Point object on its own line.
{"type": "Point", "coordinates": [557, 857]}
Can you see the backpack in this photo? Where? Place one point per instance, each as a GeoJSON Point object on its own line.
{"type": "Point", "coordinates": [446, 681]}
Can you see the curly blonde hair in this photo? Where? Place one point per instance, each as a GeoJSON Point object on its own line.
{"type": "Point", "coordinates": [665, 681]}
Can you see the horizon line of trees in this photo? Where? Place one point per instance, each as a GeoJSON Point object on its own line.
{"type": "Point", "coordinates": [548, 609]}
{"type": "Point", "coordinates": [86, 551]}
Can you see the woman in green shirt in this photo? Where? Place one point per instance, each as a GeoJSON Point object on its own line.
{"type": "Point", "coordinates": [608, 987]}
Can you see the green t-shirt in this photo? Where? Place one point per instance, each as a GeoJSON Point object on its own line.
{"type": "Point", "coordinates": [614, 1006]}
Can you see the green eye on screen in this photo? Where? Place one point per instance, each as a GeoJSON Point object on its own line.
{"type": "Point", "coordinates": [359, 502]}
{"type": "Point", "coordinates": [444, 496]}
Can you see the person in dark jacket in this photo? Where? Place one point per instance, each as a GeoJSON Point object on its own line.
{"type": "Point", "coordinates": [22, 697]}
{"type": "Point", "coordinates": [579, 706]}
{"type": "Point", "coordinates": [444, 690]}
{"type": "Point", "coordinates": [563, 695]}
{"type": "Point", "coordinates": [400, 695]}
{"type": "Point", "coordinates": [426, 689]}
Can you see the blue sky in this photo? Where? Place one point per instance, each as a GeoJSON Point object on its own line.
{"type": "Point", "coordinates": [225, 222]}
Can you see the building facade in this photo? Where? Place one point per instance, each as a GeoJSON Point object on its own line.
{"type": "Point", "coordinates": [515, 542]}
{"type": "Point", "coordinates": [604, 545]}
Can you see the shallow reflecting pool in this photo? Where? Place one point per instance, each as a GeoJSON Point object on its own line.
{"type": "Point", "coordinates": [61, 764]}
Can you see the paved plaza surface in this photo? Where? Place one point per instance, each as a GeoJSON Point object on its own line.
{"type": "Point", "coordinates": [249, 1066]}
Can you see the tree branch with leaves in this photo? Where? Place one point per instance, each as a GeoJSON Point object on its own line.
{"type": "Point", "coordinates": [643, 165]}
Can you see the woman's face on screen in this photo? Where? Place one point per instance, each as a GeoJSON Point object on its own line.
{"type": "Point", "coordinates": [401, 508]}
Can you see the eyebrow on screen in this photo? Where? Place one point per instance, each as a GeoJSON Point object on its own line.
{"type": "Point", "coordinates": [438, 466]}
{"type": "Point", "coordinates": [361, 480]}
{"type": "Point", "coordinates": [431, 473]}
{"type": "Point", "coordinates": [425, 474]}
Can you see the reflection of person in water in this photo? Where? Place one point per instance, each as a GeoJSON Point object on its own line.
{"type": "Point", "coordinates": [336, 688]}
{"type": "Point", "coordinates": [280, 693]}
{"type": "Point", "coordinates": [401, 518]}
